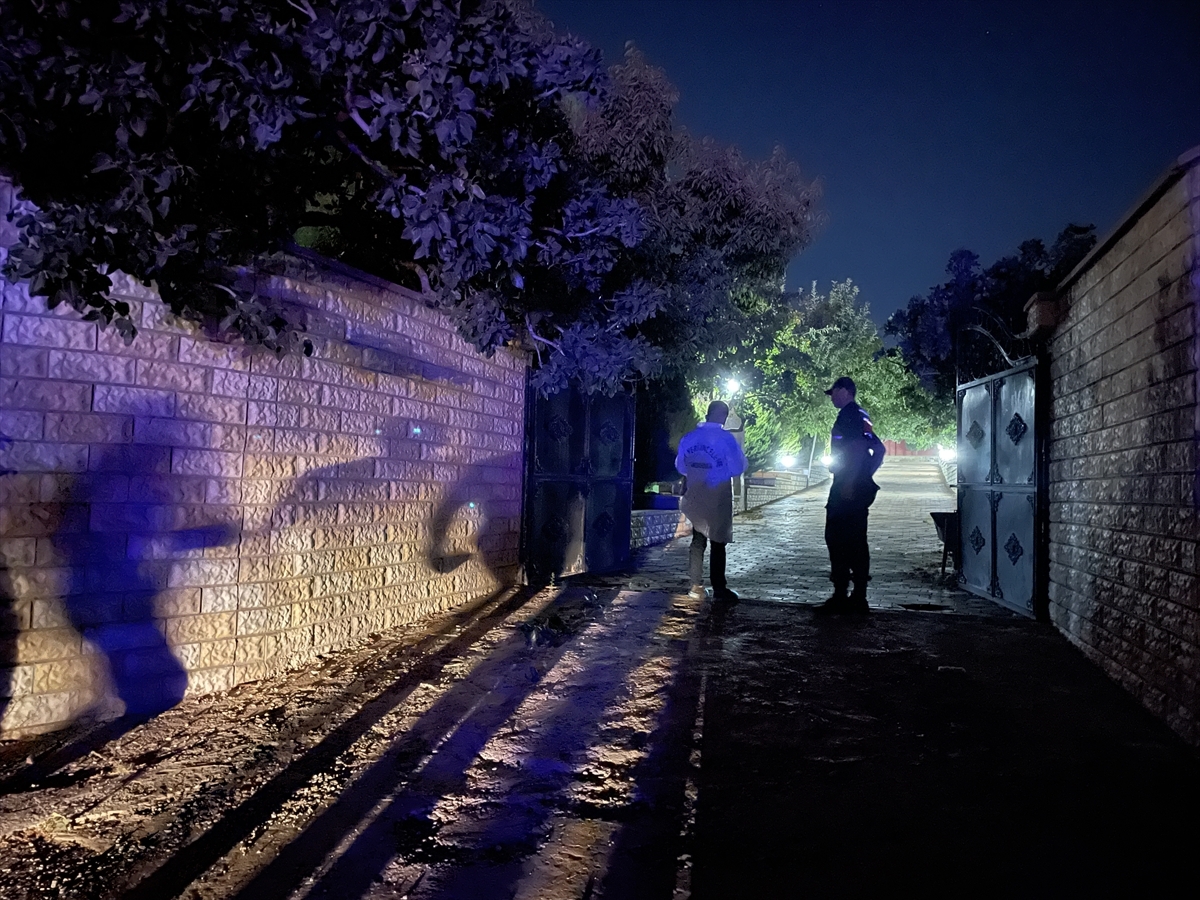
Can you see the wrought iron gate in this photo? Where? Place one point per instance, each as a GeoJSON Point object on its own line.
{"type": "Point", "coordinates": [998, 486]}
{"type": "Point", "coordinates": [579, 486]}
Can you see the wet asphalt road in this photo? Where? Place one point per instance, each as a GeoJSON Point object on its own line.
{"type": "Point", "coordinates": [615, 739]}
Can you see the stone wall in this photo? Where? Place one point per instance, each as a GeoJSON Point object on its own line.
{"type": "Point", "coordinates": [182, 515]}
{"type": "Point", "coordinates": [1122, 473]}
{"type": "Point", "coordinates": [949, 468]}
{"type": "Point", "coordinates": [767, 487]}
{"type": "Point", "coordinates": [657, 526]}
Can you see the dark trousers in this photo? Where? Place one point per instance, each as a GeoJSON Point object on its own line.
{"type": "Point", "coordinates": [849, 556]}
{"type": "Point", "coordinates": [716, 562]}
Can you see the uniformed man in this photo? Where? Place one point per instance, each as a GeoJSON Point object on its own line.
{"type": "Point", "coordinates": [857, 454]}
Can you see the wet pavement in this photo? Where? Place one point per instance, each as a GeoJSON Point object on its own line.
{"type": "Point", "coordinates": [613, 738]}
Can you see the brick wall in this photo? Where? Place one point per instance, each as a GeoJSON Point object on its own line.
{"type": "Point", "coordinates": [1122, 477]}
{"type": "Point", "coordinates": [657, 526]}
{"type": "Point", "coordinates": [185, 515]}
{"type": "Point", "coordinates": [784, 485]}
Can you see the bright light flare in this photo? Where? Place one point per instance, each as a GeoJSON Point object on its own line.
{"type": "Point", "coordinates": [946, 454]}
{"type": "Point", "coordinates": [787, 461]}
{"type": "Point", "coordinates": [733, 385]}
{"type": "Point", "coordinates": [827, 460]}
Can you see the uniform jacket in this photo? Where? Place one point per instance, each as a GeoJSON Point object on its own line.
{"type": "Point", "coordinates": [710, 456]}
{"type": "Point", "coordinates": [857, 454]}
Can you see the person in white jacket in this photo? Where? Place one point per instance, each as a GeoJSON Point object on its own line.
{"type": "Point", "coordinates": [710, 457]}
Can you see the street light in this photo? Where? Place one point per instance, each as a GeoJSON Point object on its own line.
{"type": "Point", "coordinates": [787, 461]}
{"type": "Point", "coordinates": [733, 385]}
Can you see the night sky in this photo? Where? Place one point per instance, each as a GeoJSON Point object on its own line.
{"type": "Point", "coordinates": [931, 125]}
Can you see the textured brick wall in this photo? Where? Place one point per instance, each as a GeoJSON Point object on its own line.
{"type": "Point", "coordinates": [786, 484]}
{"type": "Point", "coordinates": [657, 526]}
{"type": "Point", "coordinates": [183, 514]}
{"type": "Point", "coordinates": [1122, 478]}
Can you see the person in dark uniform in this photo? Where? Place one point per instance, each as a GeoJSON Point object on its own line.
{"type": "Point", "coordinates": [857, 454]}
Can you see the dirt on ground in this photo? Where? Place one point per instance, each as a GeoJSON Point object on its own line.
{"type": "Point", "coordinates": [498, 743]}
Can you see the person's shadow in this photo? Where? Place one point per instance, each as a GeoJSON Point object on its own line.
{"type": "Point", "coordinates": [474, 518]}
{"type": "Point", "coordinates": [116, 545]}
{"type": "Point", "coordinates": [124, 504]}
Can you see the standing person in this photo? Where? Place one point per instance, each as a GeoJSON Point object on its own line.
{"type": "Point", "coordinates": [857, 454]}
{"type": "Point", "coordinates": [710, 456]}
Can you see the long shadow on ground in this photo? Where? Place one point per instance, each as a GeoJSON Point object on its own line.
{"type": "Point", "coordinates": [173, 876]}
{"type": "Point", "coordinates": [426, 764]}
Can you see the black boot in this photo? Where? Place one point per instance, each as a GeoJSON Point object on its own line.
{"type": "Point", "coordinates": [857, 603]}
{"type": "Point", "coordinates": [838, 603]}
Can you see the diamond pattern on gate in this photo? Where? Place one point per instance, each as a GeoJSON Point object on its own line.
{"type": "Point", "coordinates": [975, 434]}
{"type": "Point", "coordinates": [977, 540]}
{"type": "Point", "coordinates": [1013, 548]}
{"type": "Point", "coordinates": [1016, 428]}
{"type": "Point", "coordinates": [560, 429]}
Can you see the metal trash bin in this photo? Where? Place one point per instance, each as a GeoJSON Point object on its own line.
{"type": "Point", "coordinates": [946, 524]}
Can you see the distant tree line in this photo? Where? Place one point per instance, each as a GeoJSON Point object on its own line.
{"type": "Point", "coordinates": [810, 338]}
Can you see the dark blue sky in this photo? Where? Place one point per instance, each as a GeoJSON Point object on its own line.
{"type": "Point", "coordinates": [932, 125]}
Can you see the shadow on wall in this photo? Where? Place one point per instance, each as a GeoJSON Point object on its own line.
{"type": "Point", "coordinates": [117, 539]}
{"type": "Point", "coordinates": [474, 507]}
{"type": "Point", "coordinates": [118, 548]}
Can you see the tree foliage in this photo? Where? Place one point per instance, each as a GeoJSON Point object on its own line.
{"type": "Point", "coordinates": [827, 335]}
{"type": "Point", "coordinates": [933, 329]}
{"type": "Point", "coordinates": [463, 148]}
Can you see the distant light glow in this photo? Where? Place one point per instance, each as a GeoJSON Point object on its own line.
{"type": "Point", "coordinates": [947, 453]}
{"type": "Point", "coordinates": [471, 505]}
{"type": "Point", "coordinates": [733, 385]}
{"type": "Point", "coordinates": [416, 429]}
{"type": "Point", "coordinates": [787, 461]}
{"type": "Point", "coordinates": [826, 460]}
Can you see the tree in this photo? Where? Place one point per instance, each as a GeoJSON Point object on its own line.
{"type": "Point", "coordinates": [826, 336]}
{"type": "Point", "coordinates": [462, 148]}
{"type": "Point", "coordinates": [933, 329]}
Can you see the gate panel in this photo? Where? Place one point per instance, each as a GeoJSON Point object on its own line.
{"type": "Point", "coordinates": [975, 516]}
{"type": "Point", "coordinates": [579, 489]}
{"type": "Point", "coordinates": [559, 435]}
{"type": "Point", "coordinates": [975, 435]}
{"type": "Point", "coordinates": [610, 437]}
{"type": "Point", "coordinates": [1014, 549]}
{"type": "Point", "coordinates": [1015, 457]}
{"type": "Point", "coordinates": [997, 490]}
{"type": "Point", "coordinates": [557, 509]}
{"type": "Point", "coordinates": [608, 527]}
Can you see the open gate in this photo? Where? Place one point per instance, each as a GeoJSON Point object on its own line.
{"type": "Point", "coordinates": [579, 483]}
{"type": "Point", "coordinates": [998, 475]}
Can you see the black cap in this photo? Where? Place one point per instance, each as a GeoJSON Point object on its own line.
{"type": "Point", "coordinates": [843, 382]}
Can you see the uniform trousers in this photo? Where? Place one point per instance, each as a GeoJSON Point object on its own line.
{"type": "Point", "coordinates": [846, 537]}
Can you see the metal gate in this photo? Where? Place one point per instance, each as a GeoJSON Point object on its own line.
{"type": "Point", "coordinates": [579, 486]}
{"type": "Point", "coordinates": [998, 486]}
